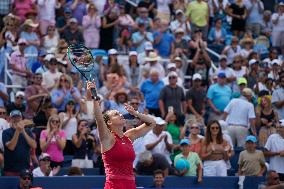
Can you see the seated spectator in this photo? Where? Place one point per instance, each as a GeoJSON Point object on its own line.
{"type": "Point", "coordinates": [72, 34]}
{"type": "Point", "coordinates": [247, 44]}
{"type": "Point", "coordinates": [44, 169]}
{"type": "Point", "coordinates": [40, 63]}
{"type": "Point", "coordinates": [158, 140]}
{"type": "Point", "coordinates": [132, 69]}
{"type": "Point", "coordinates": [84, 146]}
{"type": "Point", "coordinates": [180, 45]}
{"type": "Point", "coordinates": [53, 141]}
{"type": "Point", "coordinates": [193, 160]}
{"type": "Point", "coordinates": [18, 142]}
{"type": "Point", "coordinates": [217, 35]}
{"type": "Point", "coordinates": [266, 23]}
{"type": "Point", "coordinates": [75, 171]}
{"type": "Point", "coordinates": [143, 16]}
{"type": "Point", "coordinates": [278, 97]}
{"type": "Point", "coordinates": [148, 47]}
{"type": "Point", "coordinates": [63, 22]}
{"type": "Point", "coordinates": [275, 67]}
{"type": "Point", "coordinates": [180, 22]}
{"type": "Point", "coordinates": [4, 124]}
{"type": "Point", "coordinates": [152, 61]}
{"type": "Point", "coordinates": [159, 179]}
{"type": "Point", "coordinates": [272, 181]}
{"type": "Point", "coordinates": [239, 71]}
{"type": "Point", "coordinates": [277, 27]}
{"type": "Point", "coordinates": [149, 162]}
{"type": "Point", "coordinates": [251, 161]}
{"type": "Point", "coordinates": [51, 39]}
{"type": "Point", "coordinates": [266, 119]}
{"type": "Point", "coordinates": [51, 76]}
{"type": "Point", "coordinates": [215, 151]}
{"type": "Point", "coordinates": [120, 98]}
{"type": "Point", "coordinates": [232, 50]}
{"type": "Point", "coordinates": [19, 103]}
{"type": "Point", "coordinates": [25, 179]}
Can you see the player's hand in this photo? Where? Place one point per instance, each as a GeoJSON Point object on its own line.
{"type": "Point", "coordinates": [91, 85]}
{"type": "Point", "coordinates": [130, 109]}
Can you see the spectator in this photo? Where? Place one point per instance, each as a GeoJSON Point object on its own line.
{"type": "Point", "coordinates": [79, 9]}
{"type": "Point", "coordinates": [26, 179]}
{"type": "Point", "coordinates": [215, 151]}
{"type": "Point", "coordinates": [4, 124]}
{"type": "Point", "coordinates": [266, 119]}
{"type": "Point", "coordinates": [172, 127]}
{"type": "Point", "coordinates": [143, 17]}
{"type": "Point", "coordinates": [149, 162]}
{"type": "Point", "coordinates": [44, 169]}
{"type": "Point", "coordinates": [180, 22]}
{"type": "Point", "coordinates": [172, 95]}
{"type": "Point", "coordinates": [255, 10]}
{"type": "Point", "coordinates": [132, 69]}
{"type": "Point", "coordinates": [251, 161]}
{"type": "Point", "coordinates": [192, 133]}
{"type": "Point", "coordinates": [72, 34]}
{"type": "Point", "coordinates": [51, 39]}
{"type": "Point", "coordinates": [152, 61]}
{"type": "Point", "coordinates": [140, 37]}
{"type": "Point", "coordinates": [192, 158]}
{"type": "Point", "coordinates": [217, 35]}
{"type": "Point", "coordinates": [3, 94]}
{"type": "Point", "coordinates": [75, 171]}
{"type": "Point", "coordinates": [274, 73]}
{"type": "Point", "coordinates": [240, 116]}
{"type": "Point", "coordinates": [274, 149]}
{"type": "Point", "coordinates": [266, 23]}
{"type": "Point", "coordinates": [84, 146]}
{"type": "Point", "coordinates": [158, 140]}
{"type": "Point", "coordinates": [159, 179]}
{"type": "Point", "coordinates": [19, 65]}
{"type": "Point", "coordinates": [53, 141]}
{"type": "Point", "coordinates": [171, 67]}
{"type": "Point", "coordinates": [120, 97]}
{"type": "Point", "coordinates": [278, 99]}
{"type": "Point", "coordinates": [148, 47]}
{"type": "Point", "coordinates": [239, 14]}
{"type": "Point", "coordinates": [151, 90]}
{"type": "Point", "coordinates": [180, 44]}
{"type": "Point", "coordinates": [39, 64]}
{"type": "Point", "coordinates": [198, 14]}
{"type": "Point", "coordinates": [278, 25]}
{"type": "Point", "coordinates": [18, 141]}
{"type": "Point", "coordinates": [50, 77]}
{"type": "Point", "coordinates": [5, 10]}
{"type": "Point", "coordinates": [21, 7]}
{"type": "Point", "coordinates": [150, 5]}
{"type": "Point", "coordinates": [19, 103]}
{"type": "Point", "coordinates": [63, 22]}
{"type": "Point", "coordinates": [272, 180]}
{"type": "Point", "coordinates": [219, 96]}
{"type": "Point", "coordinates": [253, 73]}
{"type": "Point", "coordinates": [239, 71]}
{"type": "Point", "coordinates": [195, 99]}
{"type": "Point", "coordinates": [91, 27]}
{"type": "Point", "coordinates": [247, 43]}
{"type": "Point", "coordinates": [232, 50]}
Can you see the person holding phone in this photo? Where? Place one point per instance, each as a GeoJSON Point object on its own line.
{"type": "Point", "coordinates": [116, 146]}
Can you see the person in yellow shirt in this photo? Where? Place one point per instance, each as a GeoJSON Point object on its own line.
{"type": "Point", "coordinates": [197, 13]}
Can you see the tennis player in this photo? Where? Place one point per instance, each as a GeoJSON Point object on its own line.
{"type": "Point", "coordinates": [116, 147]}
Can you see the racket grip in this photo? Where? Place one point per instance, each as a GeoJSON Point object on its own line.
{"type": "Point", "coordinates": [94, 94]}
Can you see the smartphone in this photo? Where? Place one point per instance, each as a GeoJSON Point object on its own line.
{"type": "Point", "coordinates": [170, 109]}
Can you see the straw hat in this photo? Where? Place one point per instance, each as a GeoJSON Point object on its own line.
{"type": "Point", "coordinates": [152, 57]}
{"type": "Point", "coordinates": [246, 40]}
{"type": "Point", "coordinates": [30, 23]}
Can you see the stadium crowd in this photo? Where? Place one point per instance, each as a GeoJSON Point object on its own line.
{"type": "Point", "coordinates": [156, 56]}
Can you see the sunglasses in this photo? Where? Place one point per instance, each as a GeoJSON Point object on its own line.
{"type": "Point", "coordinates": [3, 113]}
{"type": "Point", "coordinates": [172, 77]}
{"type": "Point", "coordinates": [214, 128]}
{"type": "Point", "coordinates": [45, 159]}
{"type": "Point", "coordinates": [26, 178]}
{"type": "Point", "coordinates": [52, 63]}
{"type": "Point", "coordinates": [55, 121]}
{"type": "Point", "coordinates": [72, 104]}
{"type": "Point", "coordinates": [64, 80]}
{"type": "Point", "coordinates": [134, 103]}
{"type": "Point", "coordinates": [19, 97]}
{"type": "Point", "coordinates": [194, 127]}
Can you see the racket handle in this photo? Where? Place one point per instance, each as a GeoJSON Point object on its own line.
{"type": "Point", "coordinates": [94, 94]}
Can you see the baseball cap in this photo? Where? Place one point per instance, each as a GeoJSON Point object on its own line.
{"type": "Point", "coordinates": [20, 93]}
{"type": "Point", "coordinates": [73, 20]}
{"type": "Point", "coordinates": [22, 41]}
{"type": "Point", "coordinates": [196, 76]}
{"type": "Point", "coordinates": [171, 65]}
{"type": "Point", "coordinates": [148, 46]}
{"type": "Point", "coordinates": [41, 53]}
{"type": "Point", "coordinates": [253, 61]}
{"type": "Point", "coordinates": [67, 10]}
{"type": "Point", "coordinates": [141, 23]}
{"type": "Point", "coordinates": [221, 75]}
{"type": "Point", "coordinates": [48, 57]}
{"type": "Point", "coordinates": [15, 113]}
{"type": "Point", "coordinates": [172, 73]}
{"type": "Point", "coordinates": [275, 61]}
{"type": "Point", "coordinates": [160, 121]}
{"type": "Point", "coordinates": [44, 156]}
{"type": "Point", "coordinates": [184, 141]}
{"type": "Point", "coordinates": [242, 80]}
{"type": "Point", "coordinates": [112, 52]}
{"type": "Point", "coordinates": [251, 138]}
{"type": "Point", "coordinates": [26, 173]}
{"type": "Point", "coordinates": [132, 53]}
{"type": "Point", "coordinates": [223, 57]}
{"type": "Point", "coordinates": [179, 11]}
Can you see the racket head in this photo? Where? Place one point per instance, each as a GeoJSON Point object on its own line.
{"type": "Point", "coordinates": [81, 57]}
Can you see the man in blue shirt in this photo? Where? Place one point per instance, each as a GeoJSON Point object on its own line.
{"type": "Point", "coordinates": [151, 90]}
{"type": "Point", "coordinates": [219, 95]}
{"type": "Point", "coordinates": [163, 40]}
{"type": "Point", "coordinates": [140, 37]}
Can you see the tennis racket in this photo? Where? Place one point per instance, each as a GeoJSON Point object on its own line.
{"type": "Point", "coordinates": [82, 59]}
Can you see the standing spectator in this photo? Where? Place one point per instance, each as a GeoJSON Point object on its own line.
{"type": "Point", "coordinates": [215, 151]}
{"type": "Point", "coordinates": [198, 14]}
{"type": "Point", "coordinates": [217, 34]}
{"type": "Point", "coordinates": [192, 158]}
{"type": "Point", "coordinates": [150, 5]}
{"type": "Point", "coordinates": [44, 169]}
{"type": "Point", "coordinates": [132, 69]}
{"type": "Point", "coordinates": [79, 9]}
{"type": "Point", "coordinates": [172, 127]}
{"type": "Point", "coordinates": [51, 40]}
{"type": "Point", "coordinates": [5, 9]}
{"type": "Point", "coordinates": [173, 96]}
{"type": "Point", "coordinates": [158, 140]}
{"type": "Point", "coordinates": [46, 11]}
{"type": "Point", "coordinates": [18, 64]}
{"type": "Point", "coordinates": [164, 40]}
{"type": "Point", "coordinates": [143, 17]}
{"type": "Point", "coordinates": [4, 124]}
{"type": "Point", "coordinates": [180, 22]}
{"type": "Point", "coordinates": [72, 34]}
{"type": "Point", "coordinates": [191, 131]}
{"type": "Point", "coordinates": [21, 7]}
{"type": "Point", "coordinates": [278, 26]}
{"type": "Point", "coordinates": [18, 104]}
{"type": "Point", "coordinates": [195, 99]}
{"type": "Point", "coordinates": [18, 142]}
{"type": "Point", "coordinates": [159, 179]}
{"type": "Point", "coordinates": [151, 90]}
{"type": "Point", "coordinates": [251, 161]}
{"type": "Point", "coordinates": [238, 12]}
{"type": "Point", "coordinates": [278, 99]}
{"type": "Point", "coordinates": [240, 116]}
{"type": "Point", "coordinates": [152, 61]}
{"type": "Point", "coordinates": [50, 77]}
{"type": "Point", "coordinates": [3, 94]}
{"type": "Point", "coordinates": [255, 10]}
{"type": "Point", "coordinates": [63, 22]}
{"type": "Point", "coordinates": [91, 27]}
{"type": "Point", "coordinates": [53, 141]}
{"type": "Point", "coordinates": [274, 149]}
{"type": "Point", "coordinates": [140, 37]}
{"type": "Point", "coordinates": [266, 119]}
{"type": "Point", "coordinates": [253, 74]}
{"type": "Point", "coordinates": [219, 96]}
{"type": "Point", "coordinates": [232, 50]}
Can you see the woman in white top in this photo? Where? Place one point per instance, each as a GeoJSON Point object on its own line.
{"type": "Point", "coordinates": [232, 50]}
{"type": "Point", "coordinates": [50, 41]}
{"type": "Point", "coordinates": [278, 26]}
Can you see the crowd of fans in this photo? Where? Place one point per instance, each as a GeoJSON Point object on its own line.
{"type": "Point", "coordinates": [155, 57]}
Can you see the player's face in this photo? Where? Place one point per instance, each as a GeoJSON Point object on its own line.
{"type": "Point", "coordinates": [117, 119]}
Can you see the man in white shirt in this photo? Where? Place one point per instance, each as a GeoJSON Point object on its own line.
{"type": "Point", "coordinates": [3, 125]}
{"type": "Point", "coordinates": [44, 168]}
{"type": "Point", "coordinates": [50, 77]}
{"type": "Point", "coordinates": [274, 149]}
{"type": "Point", "coordinates": [159, 141]}
{"type": "Point", "coordinates": [240, 116]}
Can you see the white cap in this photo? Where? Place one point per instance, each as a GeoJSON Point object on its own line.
{"type": "Point", "coordinates": [252, 61]}
{"type": "Point", "coordinates": [160, 121]}
{"type": "Point", "coordinates": [276, 61]}
{"type": "Point", "coordinates": [20, 93]}
{"type": "Point", "coordinates": [44, 156]}
{"type": "Point", "coordinates": [179, 30]}
{"type": "Point", "coordinates": [48, 57]}
{"type": "Point", "coordinates": [73, 20]}
{"type": "Point", "coordinates": [22, 41]}
{"type": "Point", "coordinates": [178, 58]}
{"type": "Point", "coordinates": [172, 73]}
{"type": "Point", "coordinates": [179, 11]}
{"type": "Point", "coordinates": [171, 65]}
{"type": "Point", "coordinates": [112, 51]}
{"type": "Point", "coordinates": [223, 57]}
{"type": "Point", "coordinates": [281, 122]}
{"type": "Point", "coordinates": [148, 46]}
{"type": "Point", "coordinates": [132, 53]}
{"type": "Point", "coordinates": [196, 76]}
{"type": "Point", "coordinates": [266, 60]}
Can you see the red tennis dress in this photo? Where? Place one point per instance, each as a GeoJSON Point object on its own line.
{"type": "Point", "coordinates": [118, 163]}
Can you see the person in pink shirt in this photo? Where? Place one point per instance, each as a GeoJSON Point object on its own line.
{"type": "Point", "coordinates": [21, 7]}
{"type": "Point", "coordinates": [91, 25]}
{"type": "Point", "coordinates": [53, 141]}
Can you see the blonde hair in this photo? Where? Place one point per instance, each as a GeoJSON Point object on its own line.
{"type": "Point", "coordinates": [53, 117]}
{"type": "Point", "coordinates": [58, 86]}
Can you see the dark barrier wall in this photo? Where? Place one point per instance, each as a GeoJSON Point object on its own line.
{"type": "Point", "coordinates": [95, 182]}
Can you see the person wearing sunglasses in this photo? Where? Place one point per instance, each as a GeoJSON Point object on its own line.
{"type": "Point", "coordinates": [53, 141]}
{"type": "Point", "coordinates": [44, 169]}
{"type": "Point", "coordinates": [278, 98]}
{"type": "Point", "coordinates": [52, 75]}
{"type": "Point", "coordinates": [26, 179]}
{"type": "Point", "coordinates": [18, 104]}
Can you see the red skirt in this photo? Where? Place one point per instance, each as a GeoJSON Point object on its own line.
{"type": "Point", "coordinates": [120, 184]}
